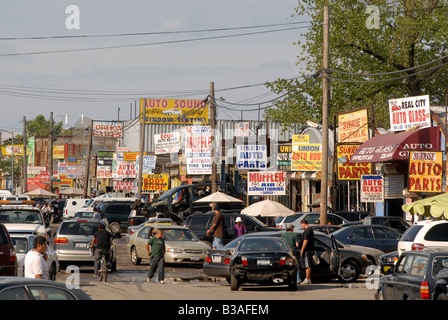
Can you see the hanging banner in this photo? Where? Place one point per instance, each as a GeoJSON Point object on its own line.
{"type": "Point", "coordinates": [167, 142]}
{"type": "Point", "coordinates": [349, 170]}
{"type": "Point", "coordinates": [408, 112]}
{"type": "Point", "coordinates": [251, 157]}
{"type": "Point", "coordinates": [353, 127]}
{"type": "Point", "coordinates": [174, 111]}
{"type": "Point", "coordinates": [198, 149]}
{"type": "Point", "coordinates": [305, 156]}
{"type": "Point", "coordinates": [372, 188]}
{"type": "Point", "coordinates": [266, 183]}
{"type": "Point", "coordinates": [425, 171]}
{"type": "Point", "coordinates": [107, 129]}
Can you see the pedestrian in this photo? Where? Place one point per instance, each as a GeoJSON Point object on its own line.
{"type": "Point", "coordinates": [157, 257]}
{"type": "Point", "coordinates": [96, 214]}
{"type": "Point", "coordinates": [103, 240]}
{"type": "Point", "coordinates": [307, 249]}
{"type": "Point", "coordinates": [217, 228]}
{"type": "Point", "coordinates": [293, 239]}
{"type": "Point", "coordinates": [239, 229]}
{"type": "Point", "coordinates": [36, 266]}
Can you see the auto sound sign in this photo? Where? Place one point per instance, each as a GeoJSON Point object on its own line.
{"type": "Point", "coordinates": [175, 111]}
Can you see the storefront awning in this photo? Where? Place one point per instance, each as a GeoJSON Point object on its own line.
{"type": "Point", "coordinates": [436, 207]}
{"type": "Point", "coordinates": [396, 145]}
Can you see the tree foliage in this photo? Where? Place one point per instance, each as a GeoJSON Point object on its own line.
{"type": "Point", "coordinates": [40, 126]}
{"type": "Point", "coordinates": [411, 34]}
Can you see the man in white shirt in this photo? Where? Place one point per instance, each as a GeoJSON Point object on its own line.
{"type": "Point", "coordinates": [35, 260]}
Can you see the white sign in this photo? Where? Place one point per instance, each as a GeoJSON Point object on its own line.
{"type": "Point", "coordinates": [124, 169]}
{"type": "Point", "coordinates": [372, 188]}
{"type": "Point", "coordinates": [198, 149]}
{"type": "Point", "coordinates": [408, 112]}
{"type": "Point", "coordinates": [103, 172]}
{"type": "Point", "coordinates": [266, 183]}
{"type": "Point", "coordinates": [109, 129]}
{"type": "Point", "coordinates": [242, 129]}
{"type": "Point", "coordinates": [149, 164]}
{"type": "Point", "coordinates": [251, 157]}
{"type": "Point", "coordinates": [167, 142]}
{"type": "Point", "coordinates": [123, 185]}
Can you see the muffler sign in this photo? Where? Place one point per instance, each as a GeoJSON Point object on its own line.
{"type": "Point", "coordinates": [266, 183]}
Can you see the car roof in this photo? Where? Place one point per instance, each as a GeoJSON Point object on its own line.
{"type": "Point", "coordinates": [83, 220]}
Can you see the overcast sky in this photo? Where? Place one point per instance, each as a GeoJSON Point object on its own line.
{"type": "Point", "coordinates": [33, 84]}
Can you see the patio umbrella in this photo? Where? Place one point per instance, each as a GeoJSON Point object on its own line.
{"type": "Point", "coordinates": [72, 192]}
{"type": "Point", "coordinates": [41, 193]}
{"type": "Point", "coordinates": [436, 206]}
{"type": "Point", "coordinates": [218, 197]}
{"type": "Point", "coordinates": [267, 208]}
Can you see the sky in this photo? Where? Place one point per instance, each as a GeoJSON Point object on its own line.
{"type": "Point", "coordinates": [105, 84]}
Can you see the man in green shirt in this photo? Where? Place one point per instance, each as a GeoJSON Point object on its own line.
{"type": "Point", "coordinates": [157, 256]}
{"type": "Point", "coordinates": [293, 239]}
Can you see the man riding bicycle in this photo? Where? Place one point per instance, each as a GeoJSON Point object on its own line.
{"type": "Point", "coordinates": [103, 240]}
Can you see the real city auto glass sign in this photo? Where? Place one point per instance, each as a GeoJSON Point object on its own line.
{"type": "Point", "coordinates": [251, 157]}
{"type": "Point", "coordinates": [408, 112]}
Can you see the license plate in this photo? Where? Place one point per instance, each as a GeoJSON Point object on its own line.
{"type": "Point", "coordinates": [81, 245]}
{"type": "Point", "coordinates": [216, 259]}
{"type": "Point", "coordinates": [263, 262]}
{"type": "Point", "coordinates": [194, 258]}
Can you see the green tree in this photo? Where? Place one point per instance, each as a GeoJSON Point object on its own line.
{"type": "Point", "coordinates": [411, 34]}
{"type": "Point", "coordinates": [40, 126]}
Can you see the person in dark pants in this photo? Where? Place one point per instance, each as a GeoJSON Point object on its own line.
{"type": "Point", "coordinates": [293, 239]}
{"type": "Point", "coordinates": [157, 256]}
{"type": "Point", "coordinates": [307, 249]}
{"type": "Point", "coordinates": [103, 240]}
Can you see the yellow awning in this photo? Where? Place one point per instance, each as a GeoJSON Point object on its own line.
{"type": "Point", "coordinates": [436, 207]}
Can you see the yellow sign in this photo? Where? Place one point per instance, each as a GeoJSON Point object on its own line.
{"type": "Point", "coordinates": [155, 182]}
{"type": "Point", "coordinates": [353, 127]}
{"type": "Point", "coordinates": [425, 171]}
{"type": "Point", "coordinates": [174, 111]}
{"type": "Point", "coordinates": [349, 170]}
{"type": "Point", "coordinates": [18, 150]}
{"type": "Point", "coordinates": [131, 156]}
{"type": "Point", "coordinates": [300, 138]}
{"type": "Point", "coordinates": [306, 157]}
{"type": "Point", "coordinates": [59, 152]}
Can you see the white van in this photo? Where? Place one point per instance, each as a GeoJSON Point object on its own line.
{"type": "Point", "coordinates": [72, 206]}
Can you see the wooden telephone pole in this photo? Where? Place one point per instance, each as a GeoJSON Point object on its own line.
{"type": "Point", "coordinates": [213, 140]}
{"type": "Point", "coordinates": [325, 104]}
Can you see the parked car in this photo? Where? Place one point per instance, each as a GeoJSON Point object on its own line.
{"type": "Point", "coordinates": [83, 214]}
{"type": "Point", "coordinates": [415, 275]}
{"type": "Point", "coordinates": [289, 219]}
{"type": "Point", "coordinates": [151, 221]}
{"type": "Point", "coordinates": [71, 206]}
{"type": "Point", "coordinates": [73, 239]}
{"type": "Point", "coordinates": [8, 258]}
{"type": "Point", "coordinates": [23, 244]}
{"type": "Point", "coordinates": [14, 288]}
{"type": "Point", "coordinates": [24, 219]}
{"type": "Point", "coordinates": [262, 260]}
{"type": "Point", "coordinates": [441, 285]}
{"type": "Point", "coordinates": [116, 213]}
{"type": "Point", "coordinates": [337, 260]}
{"type": "Point", "coordinates": [387, 262]}
{"type": "Point", "coordinates": [396, 223]}
{"type": "Point", "coordinates": [424, 233]}
{"type": "Point", "coordinates": [200, 223]}
{"type": "Point", "coordinates": [353, 215]}
{"type": "Point", "coordinates": [182, 245]}
{"type": "Point", "coordinates": [379, 237]}
{"type": "Point", "coordinates": [181, 200]}
{"type": "Point", "coordinates": [314, 218]}
{"type": "Point", "coordinates": [325, 228]}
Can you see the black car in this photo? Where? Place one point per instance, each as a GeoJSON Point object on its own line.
{"type": "Point", "coordinates": [200, 223]}
{"type": "Point", "coordinates": [13, 288]}
{"type": "Point", "coordinates": [262, 260]}
{"type": "Point", "coordinates": [181, 200]}
{"type": "Point", "coordinates": [116, 213]}
{"type": "Point", "coordinates": [396, 223]}
{"type": "Point", "coordinates": [337, 260]}
{"type": "Point", "coordinates": [415, 275]}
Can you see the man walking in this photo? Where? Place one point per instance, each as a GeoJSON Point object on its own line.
{"type": "Point", "coordinates": [36, 266]}
{"type": "Point", "coordinates": [307, 249]}
{"type": "Point", "coordinates": [103, 240]}
{"type": "Point", "coordinates": [217, 228]}
{"type": "Point", "coordinates": [293, 239]}
{"type": "Point", "coordinates": [157, 257]}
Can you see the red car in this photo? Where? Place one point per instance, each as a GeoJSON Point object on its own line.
{"type": "Point", "coordinates": [8, 260]}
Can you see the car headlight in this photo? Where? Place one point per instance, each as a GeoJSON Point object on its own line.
{"type": "Point", "coordinates": [175, 250]}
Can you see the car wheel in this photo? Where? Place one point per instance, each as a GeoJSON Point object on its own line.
{"type": "Point", "coordinates": [234, 283]}
{"type": "Point", "coordinates": [115, 227]}
{"type": "Point", "coordinates": [349, 272]}
{"type": "Point", "coordinates": [134, 257]}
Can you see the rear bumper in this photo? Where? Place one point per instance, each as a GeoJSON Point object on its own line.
{"type": "Point", "coordinates": [216, 271]}
{"type": "Point", "coordinates": [259, 276]}
{"type": "Point", "coordinates": [185, 258]}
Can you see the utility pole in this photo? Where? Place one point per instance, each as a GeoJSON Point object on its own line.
{"type": "Point", "coordinates": [325, 104]}
{"type": "Point", "coordinates": [89, 151]}
{"type": "Point", "coordinates": [25, 160]}
{"type": "Point", "coordinates": [213, 141]}
{"type": "Point", "coordinates": [50, 153]}
{"type": "Point", "coordinates": [140, 160]}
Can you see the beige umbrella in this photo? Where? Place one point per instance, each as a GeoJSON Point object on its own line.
{"type": "Point", "coordinates": [218, 197]}
{"type": "Point", "coordinates": [267, 208]}
{"type": "Point", "coordinates": [72, 192]}
{"type": "Point", "coordinates": [41, 193]}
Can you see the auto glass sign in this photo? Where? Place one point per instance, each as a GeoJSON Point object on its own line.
{"type": "Point", "coordinates": [175, 111]}
{"type": "Point", "coordinates": [372, 188]}
{"type": "Point", "coordinates": [408, 112]}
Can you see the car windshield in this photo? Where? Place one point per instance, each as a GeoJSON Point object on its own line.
{"type": "Point", "coordinates": [20, 244]}
{"type": "Point", "coordinates": [179, 235]}
{"type": "Point", "coordinates": [262, 244]}
{"type": "Point", "coordinates": [168, 194]}
{"type": "Point", "coordinates": [79, 228]}
{"type": "Point", "coordinates": [20, 216]}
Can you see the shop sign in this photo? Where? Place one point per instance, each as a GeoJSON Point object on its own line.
{"type": "Point", "coordinates": [372, 188]}
{"type": "Point", "coordinates": [408, 112]}
{"type": "Point", "coordinates": [425, 171]}
{"type": "Point", "coordinates": [266, 183]}
{"type": "Point", "coordinates": [350, 170]}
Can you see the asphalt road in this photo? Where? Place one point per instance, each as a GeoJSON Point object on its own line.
{"type": "Point", "coordinates": [190, 283]}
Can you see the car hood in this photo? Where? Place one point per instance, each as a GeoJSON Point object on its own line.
{"type": "Point", "coordinates": [28, 228]}
{"type": "Point", "coordinates": [367, 250]}
{"type": "Point", "coordinates": [197, 245]}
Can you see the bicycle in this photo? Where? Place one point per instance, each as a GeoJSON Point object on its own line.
{"type": "Point", "coordinates": [104, 265]}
